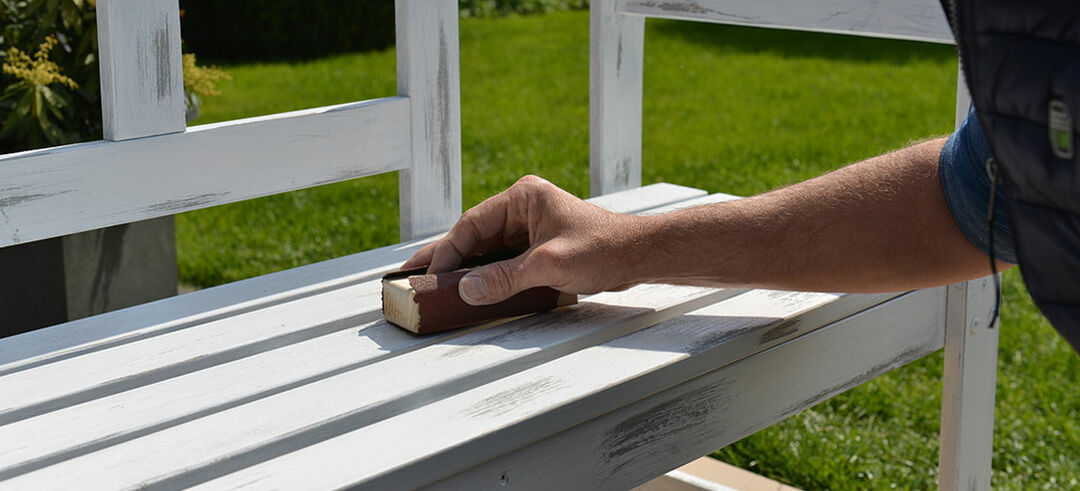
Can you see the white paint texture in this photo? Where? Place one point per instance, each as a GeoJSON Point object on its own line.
{"type": "Point", "coordinates": [142, 80]}
{"type": "Point", "coordinates": [616, 57]}
{"type": "Point", "coordinates": [212, 392]}
{"type": "Point", "coordinates": [294, 380]}
{"type": "Point", "coordinates": [427, 59]}
{"type": "Point", "coordinates": [921, 20]}
{"type": "Point", "coordinates": [970, 376]}
{"type": "Point", "coordinates": [61, 190]}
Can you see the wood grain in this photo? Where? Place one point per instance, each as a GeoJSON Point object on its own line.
{"type": "Point", "coordinates": [142, 81]}
{"type": "Point", "coordinates": [970, 375]}
{"type": "Point", "coordinates": [427, 60]}
{"type": "Point", "coordinates": [658, 433]}
{"type": "Point", "coordinates": [190, 366]}
{"type": "Point", "coordinates": [616, 57]}
{"type": "Point", "coordinates": [61, 190]}
{"type": "Point", "coordinates": [522, 409]}
{"type": "Point", "coordinates": [921, 20]}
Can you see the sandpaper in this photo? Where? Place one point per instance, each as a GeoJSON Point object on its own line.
{"type": "Point", "coordinates": [441, 307]}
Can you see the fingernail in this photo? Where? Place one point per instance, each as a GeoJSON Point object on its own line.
{"type": "Point", "coordinates": [472, 289]}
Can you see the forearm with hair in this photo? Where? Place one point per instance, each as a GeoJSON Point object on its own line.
{"type": "Point", "coordinates": [877, 225]}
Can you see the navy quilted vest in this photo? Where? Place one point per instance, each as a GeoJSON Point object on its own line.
{"type": "Point", "coordinates": [1022, 64]}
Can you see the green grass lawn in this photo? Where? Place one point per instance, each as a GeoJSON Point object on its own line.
{"type": "Point", "coordinates": [726, 109]}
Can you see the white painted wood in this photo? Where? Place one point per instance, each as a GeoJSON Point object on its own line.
{"type": "Point", "coordinates": [109, 419]}
{"type": "Point", "coordinates": [175, 353]}
{"type": "Point", "coordinates": [921, 20]}
{"type": "Point", "coordinates": [616, 57]}
{"type": "Point", "coordinates": [171, 352]}
{"type": "Point", "coordinates": [56, 191]}
{"type": "Point", "coordinates": [967, 402]}
{"type": "Point", "coordinates": [365, 395]}
{"type": "Point", "coordinates": [82, 336]}
{"type": "Point", "coordinates": [85, 335]}
{"type": "Point", "coordinates": [441, 439]}
{"type": "Point", "coordinates": [970, 374]}
{"type": "Point", "coordinates": [427, 59]}
{"type": "Point", "coordinates": [142, 80]}
{"type": "Point", "coordinates": [706, 200]}
{"type": "Point", "coordinates": [245, 384]}
{"type": "Point", "coordinates": [630, 445]}
{"type": "Point", "coordinates": [274, 347]}
{"type": "Point", "coordinates": [963, 98]}
{"type": "Point", "coordinates": [638, 200]}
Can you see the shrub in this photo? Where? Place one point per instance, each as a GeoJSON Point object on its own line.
{"type": "Point", "coordinates": [52, 97]}
{"type": "Point", "coordinates": [285, 29]}
{"type": "Point", "coordinates": [300, 29]}
{"type": "Point", "coordinates": [488, 8]}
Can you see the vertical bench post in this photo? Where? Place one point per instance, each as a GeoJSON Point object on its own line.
{"type": "Point", "coordinates": [142, 79]}
{"type": "Point", "coordinates": [967, 402]}
{"type": "Point", "coordinates": [616, 54]}
{"type": "Point", "coordinates": [427, 73]}
{"type": "Point", "coordinates": [142, 94]}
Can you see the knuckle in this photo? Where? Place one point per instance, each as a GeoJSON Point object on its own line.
{"type": "Point", "coordinates": [551, 255]}
{"type": "Point", "coordinates": [530, 179]}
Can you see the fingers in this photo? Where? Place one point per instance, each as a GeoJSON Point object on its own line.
{"type": "Point", "coordinates": [465, 238]}
{"type": "Point", "coordinates": [421, 257]}
{"type": "Point", "coordinates": [499, 222]}
{"type": "Point", "coordinates": [498, 281]}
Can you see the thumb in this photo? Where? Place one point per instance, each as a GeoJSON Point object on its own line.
{"type": "Point", "coordinates": [499, 281]}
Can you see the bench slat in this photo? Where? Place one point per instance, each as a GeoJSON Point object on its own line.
{"type": "Point", "coordinates": [453, 434]}
{"type": "Point", "coordinates": [61, 190]}
{"type": "Point", "coordinates": [66, 340]}
{"type": "Point", "coordinates": [122, 368]}
{"type": "Point", "coordinates": [396, 383]}
{"type": "Point", "coordinates": [638, 442]}
{"type": "Point", "coordinates": [82, 336]}
{"type": "Point", "coordinates": [921, 20]}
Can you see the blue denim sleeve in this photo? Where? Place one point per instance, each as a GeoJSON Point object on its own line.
{"type": "Point", "coordinates": [966, 184]}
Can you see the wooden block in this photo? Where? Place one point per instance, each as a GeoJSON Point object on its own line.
{"type": "Point", "coordinates": [426, 303]}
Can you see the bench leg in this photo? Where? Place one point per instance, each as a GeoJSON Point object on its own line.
{"type": "Point", "coordinates": [967, 403]}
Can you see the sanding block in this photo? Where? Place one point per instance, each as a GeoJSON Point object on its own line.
{"type": "Point", "coordinates": [424, 303]}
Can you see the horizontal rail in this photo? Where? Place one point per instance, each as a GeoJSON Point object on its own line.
{"type": "Point", "coordinates": [919, 20]}
{"type": "Point", "coordinates": [62, 190]}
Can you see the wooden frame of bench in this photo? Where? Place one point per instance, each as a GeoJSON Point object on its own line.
{"type": "Point", "coordinates": [617, 55]}
{"type": "Point", "coordinates": [164, 168]}
{"type": "Point", "coordinates": [673, 372]}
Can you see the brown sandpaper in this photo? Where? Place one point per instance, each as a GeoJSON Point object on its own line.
{"type": "Point", "coordinates": [441, 307]}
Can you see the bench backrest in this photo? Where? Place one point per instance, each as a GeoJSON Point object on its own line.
{"type": "Point", "coordinates": [617, 49]}
{"type": "Point", "coordinates": [149, 164]}
{"type": "Point", "coordinates": [616, 53]}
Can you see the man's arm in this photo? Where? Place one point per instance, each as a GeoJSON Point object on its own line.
{"type": "Point", "coordinates": [878, 225]}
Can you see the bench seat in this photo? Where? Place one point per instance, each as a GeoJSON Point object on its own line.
{"type": "Point", "coordinates": [294, 379]}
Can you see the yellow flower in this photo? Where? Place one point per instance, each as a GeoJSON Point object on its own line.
{"type": "Point", "coordinates": [38, 70]}
{"type": "Point", "coordinates": [200, 80]}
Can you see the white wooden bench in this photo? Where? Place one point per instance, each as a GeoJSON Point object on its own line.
{"type": "Point", "coordinates": [293, 380]}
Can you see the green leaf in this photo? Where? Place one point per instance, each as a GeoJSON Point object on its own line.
{"type": "Point", "coordinates": [55, 101]}
{"type": "Point", "coordinates": [36, 106]}
{"type": "Point", "coordinates": [22, 108]}
{"type": "Point", "coordinates": [71, 16]}
{"type": "Point", "coordinates": [13, 90]}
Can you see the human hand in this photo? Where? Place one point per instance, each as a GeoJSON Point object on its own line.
{"type": "Point", "coordinates": [569, 244]}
